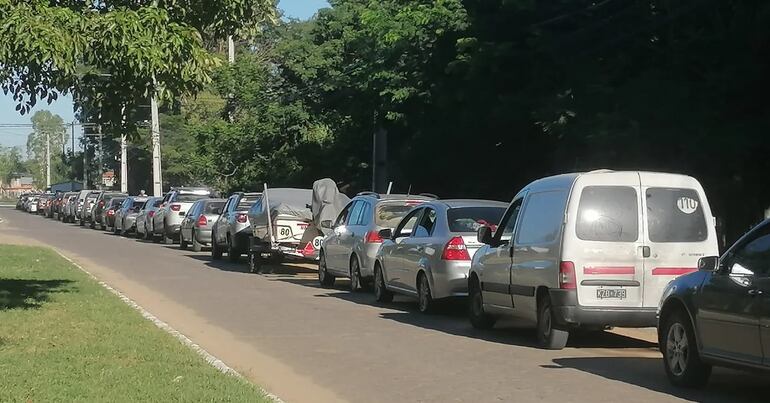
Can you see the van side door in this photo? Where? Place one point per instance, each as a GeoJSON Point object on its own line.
{"type": "Point", "coordinates": [604, 240]}
{"type": "Point", "coordinates": [494, 266]}
{"type": "Point", "coordinates": [536, 250]}
{"type": "Point", "coordinates": [679, 230]}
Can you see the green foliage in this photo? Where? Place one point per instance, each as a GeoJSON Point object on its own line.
{"type": "Point", "coordinates": [46, 126]}
{"type": "Point", "coordinates": [10, 162]}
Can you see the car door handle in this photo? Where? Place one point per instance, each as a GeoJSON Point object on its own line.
{"type": "Point", "coordinates": [754, 292]}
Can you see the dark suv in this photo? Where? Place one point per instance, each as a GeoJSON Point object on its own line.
{"type": "Point", "coordinates": [719, 315]}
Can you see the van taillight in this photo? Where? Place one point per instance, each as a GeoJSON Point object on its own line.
{"type": "Point", "coordinates": [241, 218]}
{"type": "Point", "coordinates": [202, 221]}
{"type": "Point", "coordinates": [567, 280]}
{"type": "Point", "coordinates": [110, 212]}
{"type": "Point", "coordinates": [175, 207]}
{"type": "Point", "coordinates": [373, 237]}
{"type": "Point", "coordinates": [151, 214]}
{"type": "Point", "coordinates": [455, 250]}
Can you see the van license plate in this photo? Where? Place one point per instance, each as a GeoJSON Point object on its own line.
{"type": "Point", "coordinates": [611, 293]}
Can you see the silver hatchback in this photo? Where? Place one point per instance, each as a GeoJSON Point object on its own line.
{"type": "Point", "coordinates": [350, 248]}
{"type": "Point", "coordinates": [429, 254]}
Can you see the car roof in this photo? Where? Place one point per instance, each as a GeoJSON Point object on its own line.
{"type": "Point", "coordinates": [393, 197]}
{"type": "Point", "coordinates": [457, 203]}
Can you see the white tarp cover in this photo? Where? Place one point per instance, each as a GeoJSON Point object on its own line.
{"type": "Point", "coordinates": [283, 201]}
{"type": "Point", "coordinates": [327, 201]}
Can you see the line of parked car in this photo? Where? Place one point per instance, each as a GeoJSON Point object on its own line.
{"type": "Point", "coordinates": [584, 251]}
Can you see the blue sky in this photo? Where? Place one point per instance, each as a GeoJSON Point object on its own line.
{"type": "Point", "coordinates": [9, 137]}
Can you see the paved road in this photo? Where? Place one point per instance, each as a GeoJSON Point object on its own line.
{"type": "Point", "coordinates": [306, 343]}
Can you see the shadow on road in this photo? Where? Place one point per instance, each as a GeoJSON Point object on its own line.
{"type": "Point", "coordinates": [29, 294]}
{"type": "Point", "coordinates": [725, 385]}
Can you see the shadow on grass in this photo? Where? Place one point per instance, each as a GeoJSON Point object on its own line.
{"type": "Point", "coordinates": [29, 294]}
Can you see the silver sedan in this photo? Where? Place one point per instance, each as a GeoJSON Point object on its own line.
{"type": "Point", "coordinates": [428, 255]}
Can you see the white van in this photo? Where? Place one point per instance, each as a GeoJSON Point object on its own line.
{"type": "Point", "coordinates": [590, 250]}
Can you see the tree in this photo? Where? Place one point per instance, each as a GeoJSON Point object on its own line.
{"type": "Point", "coordinates": [46, 127]}
{"type": "Point", "coordinates": [10, 163]}
{"type": "Point", "coordinates": [143, 47]}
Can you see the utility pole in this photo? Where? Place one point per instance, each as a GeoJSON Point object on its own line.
{"type": "Point", "coordinates": [230, 49]}
{"type": "Point", "coordinates": [123, 153]}
{"type": "Point", "coordinates": [101, 158]}
{"type": "Point", "coordinates": [85, 158]}
{"type": "Point", "coordinates": [157, 184]}
{"type": "Point", "coordinates": [47, 159]}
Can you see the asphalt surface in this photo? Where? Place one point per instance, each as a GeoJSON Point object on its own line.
{"type": "Point", "coordinates": [306, 343]}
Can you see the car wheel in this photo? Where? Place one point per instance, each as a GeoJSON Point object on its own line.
{"type": "Point", "coordinates": [115, 229]}
{"type": "Point", "coordinates": [479, 318]}
{"type": "Point", "coordinates": [355, 275]}
{"type": "Point", "coordinates": [167, 239]}
{"type": "Point", "coordinates": [381, 294]}
{"type": "Point", "coordinates": [92, 225]}
{"type": "Point", "coordinates": [255, 262]}
{"type": "Point", "coordinates": [548, 335]}
{"type": "Point", "coordinates": [232, 252]}
{"type": "Point", "coordinates": [424, 299]}
{"type": "Point", "coordinates": [216, 253]}
{"type": "Point", "coordinates": [182, 242]}
{"type": "Point", "coordinates": [147, 234]}
{"type": "Point", "coordinates": [681, 359]}
{"type": "Point", "coordinates": [196, 246]}
{"type": "Point", "coordinates": [82, 223]}
{"type": "Point", "coordinates": [326, 279]}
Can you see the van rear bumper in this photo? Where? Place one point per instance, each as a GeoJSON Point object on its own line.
{"type": "Point", "coordinates": [569, 313]}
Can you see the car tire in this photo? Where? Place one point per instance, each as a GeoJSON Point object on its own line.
{"type": "Point", "coordinates": [478, 317]}
{"type": "Point", "coordinates": [681, 358]}
{"type": "Point", "coordinates": [92, 225]}
{"type": "Point", "coordinates": [324, 278]}
{"type": "Point", "coordinates": [255, 262]}
{"type": "Point", "coordinates": [381, 293]}
{"type": "Point", "coordinates": [216, 253]}
{"type": "Point", "coordinates": [355, 274]}
{"type": "Point", "coordinates": [549, 336]}
{"type": "Point", "coordinates": [233, 254]}
{"type": "Point", "coordinates": [425, 302]}
{"type": "Point", "coordinates": [167, 240]}
{"type": "Point", "coordinates": [82, 223]}
{"type": "Point", "coordinates": [196, 246]}
{"type": "Point", "coordinates": [115, 229]}
{"type": "Point", "coordinates": [182, 241]}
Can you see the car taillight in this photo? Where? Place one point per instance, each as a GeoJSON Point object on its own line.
{"type": "Point", "coordinates": [303, 225]}
{"type": "Point", "coordinates": [455, 250]}
{"type": "Point", "coordinates": [101, 203]}
{"type": "Point", "coordinates": [175, 207]}
{"type": "Point", "coordinates": [110, 212]}
{"type": "Point", "coordinates": [373, 237]}
{"type": "Point", "coordinates": [567, 280]}
{"type": "Point", "coordinates": [202, 221]}
{"type": "Point", "coordinates": [241, 218]}
{"type": "Point", "coordinates": [151, 214]}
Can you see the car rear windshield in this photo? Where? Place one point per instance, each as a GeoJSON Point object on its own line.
{"type": "Point", "coordinates": [246, 203]}
{"type": "Point", "coordinates": [390, 214]}
{"type": "Point", "coordinates": [609, 214]}
{"type": "Point", "coordinates": [675, 215]}
{"type": "Point", "coordinates": [136, 205]}
{"type": "Point", "coordinates": [470, 219]}
{"type": "Point", "coordinates": [191, 197]}
{"type": "Point", "coordinates": [115, 201]}
{"type": "Point", "coordinates": [210, 208]}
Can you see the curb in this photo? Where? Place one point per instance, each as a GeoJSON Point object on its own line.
{"type": "Point", "coordinates": [211, 359]}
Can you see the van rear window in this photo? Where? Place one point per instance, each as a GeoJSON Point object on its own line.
{"type": "Point", "coordinates": [675, 215]}
{"type": "Point", "coordinates": [608, 214]}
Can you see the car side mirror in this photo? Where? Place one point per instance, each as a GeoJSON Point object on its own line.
{"type": "Point", "coordinates": [326, 224]}
{"type": "Point", "coordinates": [386, 233]}
{"type": "Point", "coordinates": [484, 235]}
{"type": "Point", "coordinates": [708, 263]}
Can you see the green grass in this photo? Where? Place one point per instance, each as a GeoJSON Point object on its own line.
{"type": "Point", "coordinates": [65, 338]}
